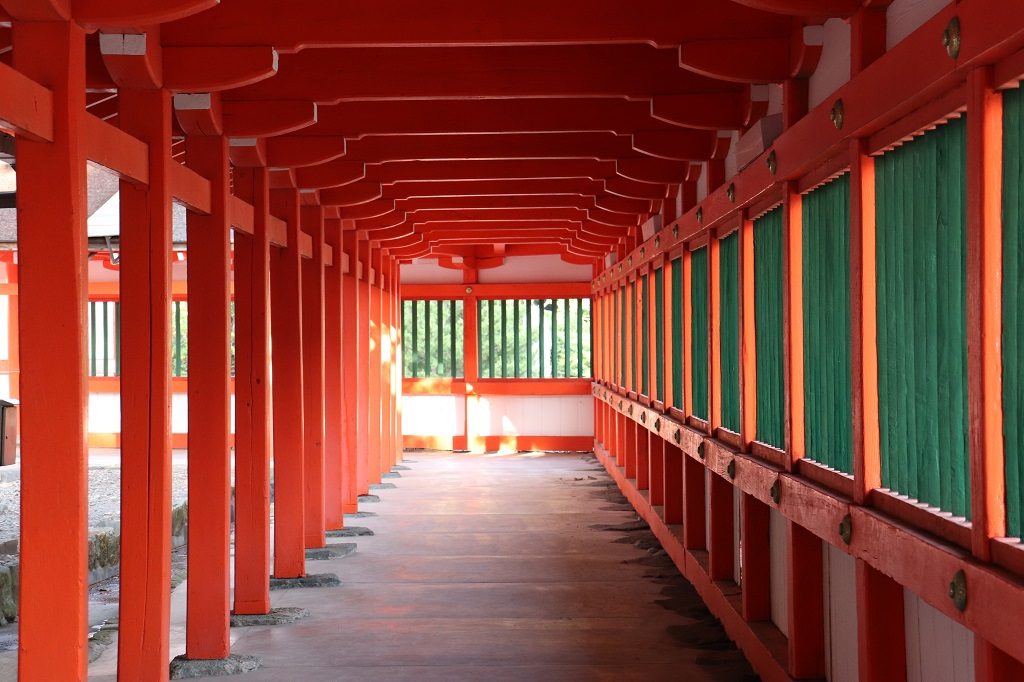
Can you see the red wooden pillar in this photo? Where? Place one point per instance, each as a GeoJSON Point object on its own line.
{"type": "Point", "coordinates": [209, 406]}
{"type": "Point", "coordinates": [722, 558]}
{"type": "Point", "coordinates": [806, 603]}
{"type": "Point", "coordinates": [693, 504]}
{"type": "Point", "coordinates": [881, 638]}
{"type": "Point", "coordinates": [334, 376]}
{"type": "Point", "coordinates": [673, 484]}
{"type": "Point", "coordinates": [374, 364]}
{"type": "Point", "coordinates": [400, 366]}
{"type": "Point", "coordinates": [656, 467]}
{"type": "Point", "coordinates": [312, 222]}
{"type": "Point", "coordinates": [630, 453]}
{"type": "Point", "coordinates": [52, 293]}
{"type": "Point", "coordinates": [755, 559]}
{"type": "Point", "coordinates": [362, 336]}
{"type": "Point", "coordinates": [352, 397]}
{"type": "Point", "coordinates": [643, 467]}
{"type": "Point", "coordinates": [286, 330]}
{"type": "Point", "coordinates": [143, 644]}
{"type": "Point", "coordinates": [252, 398]}
{"type": "Point", "coordinates": [385, 364]}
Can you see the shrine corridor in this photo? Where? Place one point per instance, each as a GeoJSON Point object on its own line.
{"type": "Point", "coordinates": [495, 567]}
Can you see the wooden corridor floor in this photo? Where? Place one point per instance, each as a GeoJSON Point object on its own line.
{"type": "Point", "coordinates": [490, 568]}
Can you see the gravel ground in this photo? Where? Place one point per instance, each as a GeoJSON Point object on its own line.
{"type": "Point", "coordinates": [104, 499]}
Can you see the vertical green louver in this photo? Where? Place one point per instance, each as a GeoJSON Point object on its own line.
{"type": "Point", "coordinates": [699, 340]}
{"type": "Point", "coordinates": [922, 342]}
{"type": "Point", "coordinates": [659, 334]}
{"type": "Point", "coordinates": [1013, 294]}
{"type": "Point", "coordinates": [729, 336]}
{"type": "Point", "coordinates": [645, 336]}
{"type": "Point", "coordinates": [828, 397]}
{"type": "Point", "coordinates": [622, 336]}
{"type": "Point", "coordinates": [677, 333]}
{"type": "Point", "coordinates": [634, 358]}
{"type": "Point", "coordinates": [768, 329]}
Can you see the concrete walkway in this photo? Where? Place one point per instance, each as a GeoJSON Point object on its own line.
{"type": "Point", "coordinates": [488, 568]}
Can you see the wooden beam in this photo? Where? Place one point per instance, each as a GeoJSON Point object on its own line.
{"type": "Point", "coordinates": [27, 107]}
{"type": "Point", "coordinates": [115, 149]}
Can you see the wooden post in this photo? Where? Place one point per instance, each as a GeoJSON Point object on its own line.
{"type": "Point", "coordinates": [143, 647]}
{"type": "Point", "coordinates": [722, 558]}
{"type": "Point", "coordinates": [881, 638]}
{"type": "Point", "coordinates": [656, 467]}
{"type": "Point", "coordinates": [312, 221]}
{"type": "Point", "coordinates": [806, 603]}
{"type": "Point", "coordinates": [52, 294]}
{"type": "Point", "coordinates": [350, 340]}
{"type": "Point", "coordinates": [748, 337]}
{"type": "Point", "coordinates": [694, 508]}
{"type": "Point", "coordinates": [374, 442]}
{"type": "Point", "coordinates": [252, 399]}
{"type": "Point", "coordinates": [209, 406]}
{"type": "Point", "coordinates": [756, 559]}
{"type": "Point", "coordinates": [335, 373]}
{"type": "Point", "coordinates": [286, 328]}
{"type": "Point", "coordinates": [362, 336]}
{"type": "Point", "coordinates": [673, 484]}
{"type": "Point", "coordinates": [792, 328]}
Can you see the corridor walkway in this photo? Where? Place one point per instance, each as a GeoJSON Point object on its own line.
{"type": "Point", "coordinates": [489, 568]}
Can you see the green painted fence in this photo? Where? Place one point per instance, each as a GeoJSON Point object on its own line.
{"type": "Point", "coordinates": [768, 329]}
{"type": "Point", "coordinates": [677, 333]}
{"type": "Point", "coordinates": [534, 338]}
{"type": "Point", "coordinates": [659, 334]}
{"type": "Point", "coordinates": [922, 343]}
{"type": "Point", "coordinates": [1013, 319]}
{"type": "Point", "coordinates": [432, 339]}
{"type": "Point", "coordinates": [828, 409]}
{"type": "Point", "coordinates": [699, 334]}
{"type": "Point", "coordinates": [645, 335]}
{"type": "Point", "coordinates": [729, 326]}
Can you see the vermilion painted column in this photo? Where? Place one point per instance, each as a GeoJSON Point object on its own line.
{"type": "Point", "coordinates": [52, 293]}
{"type": "Point", "coordinates": [143, 643]}
{"type": "Point", "coordinates": [334, 375]}
{"type": "Point", "coordinates": [755, 559]}
{"type": "Point", "coordinates": [399, 372]}
{"type": "Point", "coordinates": [362, 336]}
{"type": "Point", "coordinates": [384, 285]}
{"type": "Point", "coordinates": [252, 399]}
{"type": "Point", "coordinates": [721, 559]}
{"type": "Point", "coordinates": [806, 603]}
{"type": "Point", "coordinates": [881, 638]}
{"type": "Point", "coordinates": [694, 509]}
{"type": "Point", "coordinates": [207, 633]}
{"type": "Point", "coordinates": [373, 433]}
{"type": "Point", "coordinates": [286, 344]}
{"type": "Point", "coordinates": [352, 397]}
{"type": "Point", "coordinates": [313, 376]}
{"type": "Point", "coordinates": [673, 484]}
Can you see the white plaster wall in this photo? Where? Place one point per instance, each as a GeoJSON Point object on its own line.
{"type": "Point", "coordinates": [550, 268]}
{"type": "Point", "coordinates": [834, 66]}
{"type": "Point", "coordinates": [778, 548]}
{"type": "Point", "coordinates": [533, 415]}
{"type": "Point", "coordinates": [105, 413]}
{"type": "Point", "coordinates": [429, 272]}
{"type": "Point", "coordinates": [433, 415]}
{"type": "Point", "coordinates": [938, 648]}
{"type": "Point", "coordinates": [840, 586]}
{"type": "Point", "coordinates": [903, 16]}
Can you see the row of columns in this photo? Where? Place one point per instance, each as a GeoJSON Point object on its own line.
{"type": "Point", "coordinates": [316, 384]}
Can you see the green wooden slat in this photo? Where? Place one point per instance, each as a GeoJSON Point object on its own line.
{"type": "Point", "coordinates": [921, 270]}
{"type": "Point", "coordinates": [414, 349]}
{"type": "Point", "coordinates": [427, 357]}
{"type": "Point", "coordinates": [92, 338]}
{"type": "Point", "coordinates": [117, 338]}
{"type": "Point", "coordinates": [579, 337]}
{"type": "Point", "coordinates": [678, 390]}
{"type": "Point", "coordinates": [659, 334]}
{"type": "Point", "coordinates": [622, 341]}
{"type": "Point", "coordinates": [729, 337]}
{"type": "Point", "coordinates": [440, 368]}
{"type": "Point", "coordinates": [645, 333]}
{"type": "Point", "coordinates": [177, 338]}
{"type": "Point", "coordinates": [768, 328]}
{"type": "Point", "coordinates": [1013, 295]}
{"type": "Point", "coordinates": [828, 416]}
{"type": "Point", "coordinates": [699, 340]}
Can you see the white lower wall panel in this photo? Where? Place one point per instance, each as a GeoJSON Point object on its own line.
{"type": "Point", "coordinates": [938, 648]}
{"type": "Point", "coordinates": [532, 415]}
{"type": "Point", "coordinates": [840, 599]}
{"type": "Point", "coordinates": [433, 415]}
{"type": "Point", "coordinates": [778, 544]}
